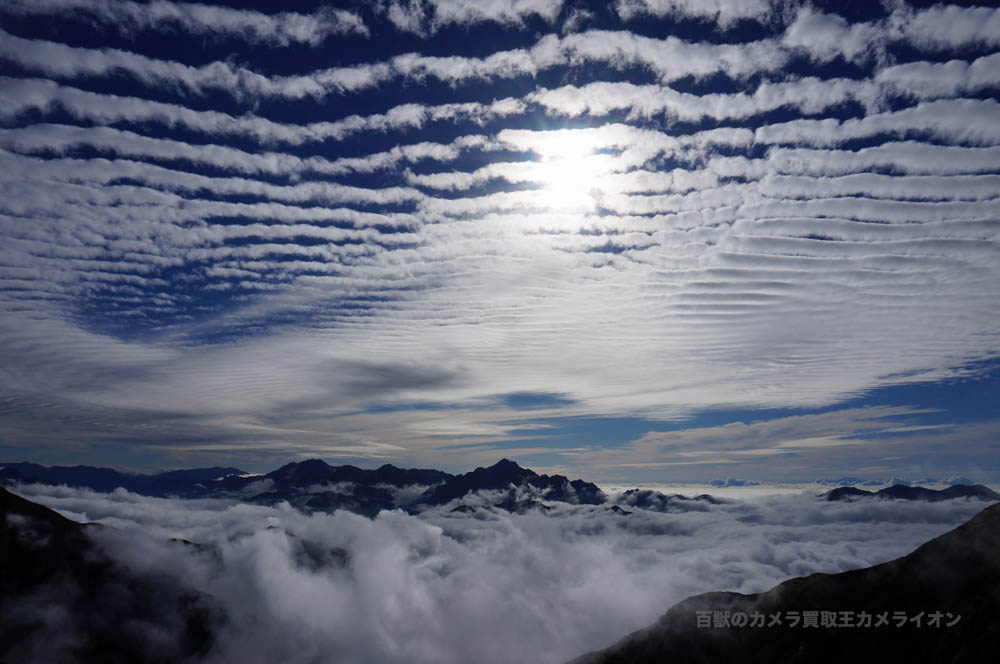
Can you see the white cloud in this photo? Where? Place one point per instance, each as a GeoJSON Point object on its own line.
{"type": "Point", "coordinates": [725, 12]}
{"type": "Point", "coordinates": [828, 36]}
{"type": "Point", "coordinates": [939, 28]}
{"type": "Point", "coordinates": [23, 95]}
{"type": "Point", "coordinates": [425, 17]}
{"type": "Point", "coordinates": [963, 121]}
{"type": "Point", "coordinates": [464, 12]}
{"type": "Point", "coordinates": [669, 58]}
{"type": "Point", "coordinates": [822, 36]}
{"type": "Point", "coordinates": [129, 18]}
{"type": "Point", "coordinates": [899, 157]}
{"type": "Point", "coordinates": [927, 80]}
{"type": "Point", "coordinates": [948, 26]}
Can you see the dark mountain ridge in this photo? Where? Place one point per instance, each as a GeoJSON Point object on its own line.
{"type": "Point", "coordinates": [317, 471]}
{"type": "Point", "coordinates": [314, 485]}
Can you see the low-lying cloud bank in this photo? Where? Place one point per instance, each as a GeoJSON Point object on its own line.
{"type": "Point", "coordinates": [482, 585]}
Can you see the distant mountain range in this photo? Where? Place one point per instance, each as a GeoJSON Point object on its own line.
{"type": "Point", "coordinates": [903, 492]}
{"type": "Point", "coordinates": [108, 479]}
{"type": "Point", "coordinates": [314, 485]}
{"type": "Point", "coordinates": [937, 604]}
{"type": "Point", "coordinates": [853, 481]}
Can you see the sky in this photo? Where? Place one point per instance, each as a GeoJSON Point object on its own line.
{"type": "Point", "coordinates": [632, 241]}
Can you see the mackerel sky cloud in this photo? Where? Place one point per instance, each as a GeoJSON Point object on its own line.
{"type": "Point", "coordinates": [650, 239]}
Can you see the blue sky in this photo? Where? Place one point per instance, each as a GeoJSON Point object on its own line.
{"type": "Point", "coordinates": [648, 240]}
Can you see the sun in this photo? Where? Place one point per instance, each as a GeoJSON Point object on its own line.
{"type": "Point", "coordinates": [570, 169]}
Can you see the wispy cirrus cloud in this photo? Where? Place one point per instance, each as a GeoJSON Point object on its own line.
{"type": "Point", "coordinates": [834, 441]}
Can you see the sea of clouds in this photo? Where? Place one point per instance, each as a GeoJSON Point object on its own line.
{"type": "Point", "coordinates": [481, 586]}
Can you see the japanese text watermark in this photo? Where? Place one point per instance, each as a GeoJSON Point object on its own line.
{"type": "Point", "coordinates": [826, 619]}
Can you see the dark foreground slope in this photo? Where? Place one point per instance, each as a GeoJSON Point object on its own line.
{"type": "Point", "coordinates": [63, 600]}
{"type": "Point", "coordinates": [956, 574]}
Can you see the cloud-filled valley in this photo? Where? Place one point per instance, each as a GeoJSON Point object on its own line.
{"type": "Point", "coordinates": [490, 586]}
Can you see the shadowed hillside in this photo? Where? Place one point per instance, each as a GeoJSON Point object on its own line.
{"type": "Point", "coordinates": [63, 600]}
{"type": "Point", "coordinates": [939, 604]}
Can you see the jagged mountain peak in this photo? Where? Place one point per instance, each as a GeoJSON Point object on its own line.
{"type": "Point", "coordinates": [301, 469]}
{"type": "Point", "coordinates": [507, 475]}
{"type": "Point", "coordinates": [505, 467]}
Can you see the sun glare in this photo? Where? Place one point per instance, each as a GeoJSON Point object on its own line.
{"type": "Point", "coordinates": [570, 170]}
